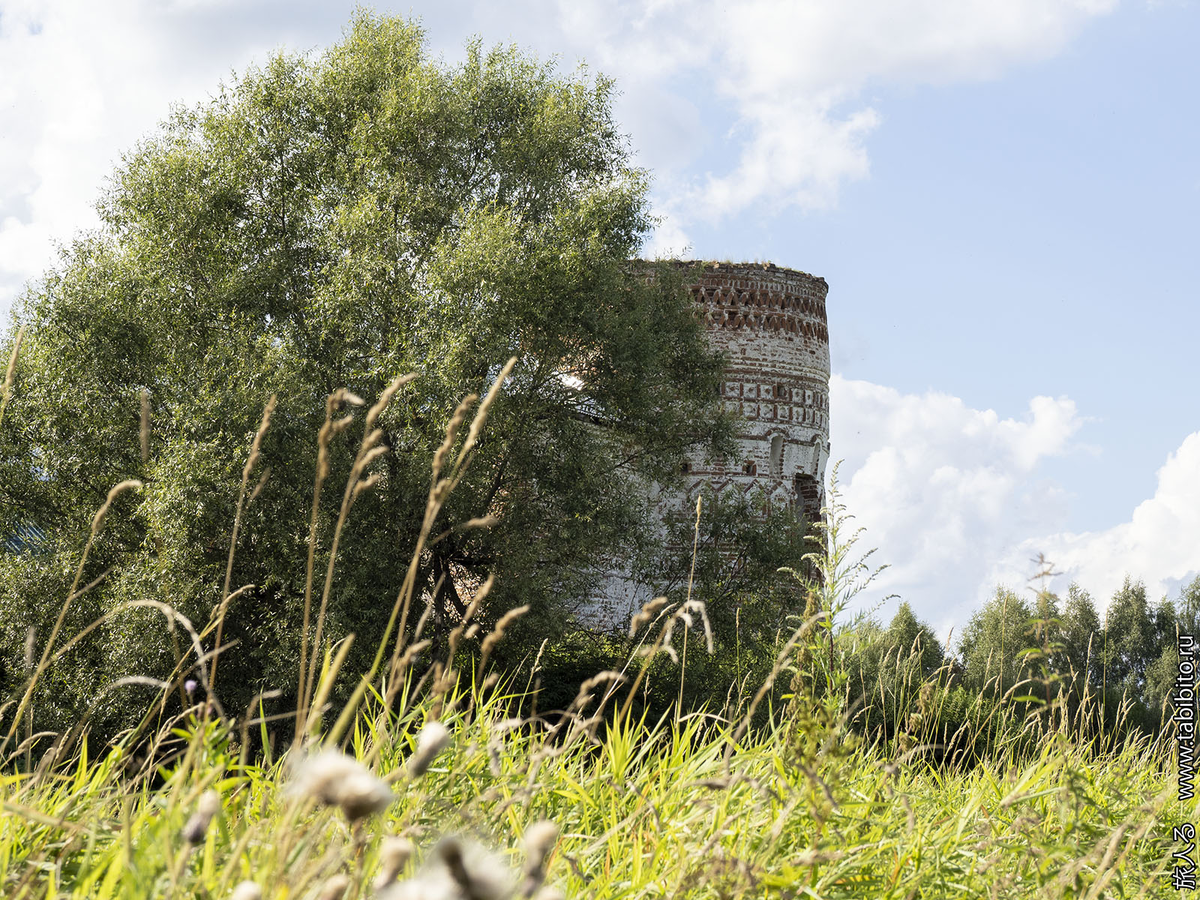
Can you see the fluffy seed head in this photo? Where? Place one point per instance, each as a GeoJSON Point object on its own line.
{"type": "Point", "coordinates": [335, 779]}
{"type": "Point", "coordinates": [393, 857]}
{"type": "Point", "coordinates": [457, 869]}
{"type": "Point", "coordinates": [335, 887]}
{"type": "Point", "coordinates": [479, 874]}
{"type": "Point", "coordinates": [247, 890]}
{"type": "Point", "coordinates": [431, 740]}
{"type": "Point", "coordinates": [540, 838]}
{"type": "Point", "coordinates": [207, 806]}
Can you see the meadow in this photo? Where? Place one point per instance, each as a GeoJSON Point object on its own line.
{"type": "Point", "coordinates": [438, 778]}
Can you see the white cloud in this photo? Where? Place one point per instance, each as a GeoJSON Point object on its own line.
{"type": "Point", "coordinates": [733, 105]}
{"type": "Point", "coordinates": [1160, 544]}
{"type": "Point", "coordinates": [953, 500]}
{"type": "Point", "coordinates": [789, 75]}
{"type": "Point", "coordinates": [944, 490]}
{"type": "Point", "coordinates": [80, 83]}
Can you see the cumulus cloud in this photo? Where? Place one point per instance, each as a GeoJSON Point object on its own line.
{"type": "Point", "coordinates": [943, 491]}
{"type": "Point", "coordinates": [1160, 544]}
{"type": "Point", "coordinates": [734, 106]}
{"type": "Point", "coordinates": [81, 82]}
{"type": "Point", "coordinates": [789, 75]}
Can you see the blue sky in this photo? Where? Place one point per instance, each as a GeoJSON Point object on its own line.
{"type": "Point", "coordinates": [1002, 194]}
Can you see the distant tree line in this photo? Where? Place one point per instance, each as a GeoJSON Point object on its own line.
{"type": "Point", "coordinates": [1109, 672]}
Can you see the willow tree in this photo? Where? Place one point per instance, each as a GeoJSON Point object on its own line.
{"type": "Point", "coordinates": [332, 223]}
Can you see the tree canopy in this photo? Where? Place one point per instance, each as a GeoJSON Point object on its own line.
{"type": "Point", "coordinates": [333, 223]}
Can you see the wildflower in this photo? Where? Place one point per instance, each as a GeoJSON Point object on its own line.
{"type": "Point", "coordinates": [190, 686]}
{"type": "Point", "coordinates": [335, 779]}
{"type": "Point", "coordinates": [247, 890]}
{"type": "Point", "coordinates": [393, 857]}
{"type": "Point", "coordinates": [197, 825]}
{"type": "Point", "coordinates": [431, 740]}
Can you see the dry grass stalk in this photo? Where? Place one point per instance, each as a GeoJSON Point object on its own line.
{"type": "Point", "coordinates": [97, 523]}
{"type": "Point", "coordinates": [251, 461]}
{"type": "Point", "coordinates": [325, 684]}
{"type": "Point", "coordinates": [439, 489]}
{"type": "Point", "coordinates": [370, 448]}
{"type": "Point", "coordinates": [497, 633]}
{"type": "Point", "coordinates": [329, 429]}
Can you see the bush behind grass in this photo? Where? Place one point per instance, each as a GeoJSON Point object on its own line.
{"type": "Point", "coordinates": [771, 794]}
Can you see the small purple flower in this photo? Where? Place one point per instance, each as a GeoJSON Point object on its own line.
{"type": "Point", "coordinates": [189, 686]}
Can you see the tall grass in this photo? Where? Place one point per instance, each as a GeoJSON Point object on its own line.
{"type": "Point", "coordinates": [432, 782]}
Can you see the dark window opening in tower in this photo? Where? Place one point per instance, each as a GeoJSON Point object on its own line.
{"type": "Point", "coordinates": [808, 497]}
{"type": "Point", "coordinates": [750, 468]}
{"type": "Point", "coordinates": [777, 456]}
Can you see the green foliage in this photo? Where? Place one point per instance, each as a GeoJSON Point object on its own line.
{"type": "Point", "coordinates": [993, 641]}
{"type": "Point", "coordinates": [1080, 633]}
{"type": "Point", "coordinates": [1130, 630]}
{"type": "Point", "coordinates": [333, 223]}
{"type": "Point", "coordinates": [685, 807]}
{"type": "Point", "coordinates": [887, 668]}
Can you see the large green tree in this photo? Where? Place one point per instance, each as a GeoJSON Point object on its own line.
{"type": "Point", "coordinates": [993, 643]}
{"type": "Point", "coordinates": [332, 223]}
{"type": "Point", "coordinates": [1130, 637]}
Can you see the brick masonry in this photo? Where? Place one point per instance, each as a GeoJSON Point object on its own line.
{"type": "Point", "coordinates": [770, 323]}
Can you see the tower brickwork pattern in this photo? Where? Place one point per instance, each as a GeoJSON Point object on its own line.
{"type": "Point", "coordinates": [770, 323]}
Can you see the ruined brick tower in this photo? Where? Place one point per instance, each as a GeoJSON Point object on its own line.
{"type": "Point", "coordinates": [770, 323]}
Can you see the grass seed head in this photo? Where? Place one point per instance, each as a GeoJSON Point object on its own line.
{"type": "Point", "coordinates": [247, 890]}
{"type": "Point", "coordinates": [646, 614]}
{"type": "Point", "coordinates": [335, 887]}
{"type": "Point", "coordinates": [394, 855]}
{"type": "Point", "coordinates": [431, 740]}
{"type": "Point", "coordinates": [334, 779]}
{"type": "Point", "coordinates": [207, 806]}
